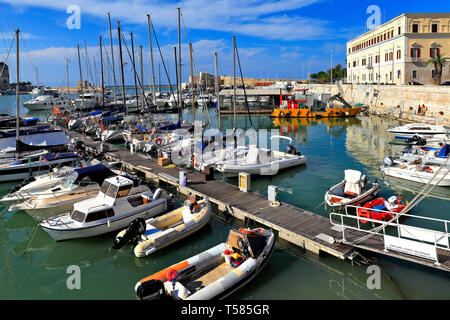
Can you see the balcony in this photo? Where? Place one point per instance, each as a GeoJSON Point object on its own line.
{"type": "Point", "coordinates": [369, 65]}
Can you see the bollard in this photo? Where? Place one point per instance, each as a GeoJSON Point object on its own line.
{"type": "Point", "coordinates": [272, 193]}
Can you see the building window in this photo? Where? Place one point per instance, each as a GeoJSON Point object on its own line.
{"type": "Point", "coordinates": [392, 33]}
{"type": "Point", "coordinates": [384, 36]}
{"type": "Point", "coordinates": [390, 76]}
{"type": "Point", "coordinates": [434, 52]}
{"type": "Point", "coordinates": [377, 59]}
{"type": "Point", "coordinates": [434, 27]}
{"type": "Point", "coordinates": [391, 56]}
{"type": "Point", "coordinates": [414, 74]}
{"type": "Point", "coordinates": [354, 64]}
{"type": "Point", "coordinates": [433, 74]}
{"type": "Point", "coordinates": [399, 54]}
{"type": "Point", "coordinates": [386, 57]}
{"type": "Point", "coordinates": [399, 30]}
{"type": "Point", "coordinates": [398, 74]}
{"type": "Point", "coordinates": [415, 28]}
{"type": "Point", "coordinates": [415, 52]}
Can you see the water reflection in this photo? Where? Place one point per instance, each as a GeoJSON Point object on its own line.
{"type": "Point", "coordinates": [415, 187]}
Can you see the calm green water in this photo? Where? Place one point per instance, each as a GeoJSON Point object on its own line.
{"type": "Point", "coordinates": [33, 266]}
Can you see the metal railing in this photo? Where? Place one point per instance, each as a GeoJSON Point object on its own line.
{"type": "Point", "coordinates": [440, 239]}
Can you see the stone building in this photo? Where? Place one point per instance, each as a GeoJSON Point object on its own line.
{"type": "Point", "coordinates": [4, 76]}
{"type": "Point", "coordinates": [397, 51]}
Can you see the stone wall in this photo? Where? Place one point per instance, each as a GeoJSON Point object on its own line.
{"type": "Point", "coordinates": [386, 99]}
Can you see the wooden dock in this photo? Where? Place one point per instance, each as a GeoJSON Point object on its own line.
{"type": "Point", "coordinates": [302, 228]}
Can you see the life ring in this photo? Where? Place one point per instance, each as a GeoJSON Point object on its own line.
{"type": "Point", "coordinates": [158, 141]}
{"type": "Point", "coordinates": [172, 275]}
{"type": "Point", "coordinates": [194, 162]}
{"type": "Point", "coordinates": [246, 231]}
{"type": "Point", "coordinates": [428, 169]}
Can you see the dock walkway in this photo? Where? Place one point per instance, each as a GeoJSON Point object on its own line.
{"type": "Point", "coordinates": [300, 227]}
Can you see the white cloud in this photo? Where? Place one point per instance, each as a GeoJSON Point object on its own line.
{"type": "Point", "coordinates": [257, 18]}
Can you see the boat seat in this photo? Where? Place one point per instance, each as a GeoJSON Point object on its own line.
{"type": "Point", "coordinates": [150, 231]}
{"type": "Point", "coordinates": [352, 185]}
{"type": "Point", "coordinates": [180, 292]}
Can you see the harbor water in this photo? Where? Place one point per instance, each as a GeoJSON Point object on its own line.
{"type": "Point", "coordinates": [34, 266]}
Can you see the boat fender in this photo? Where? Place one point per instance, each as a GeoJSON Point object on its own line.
{"type": "Point", "coordinates": [157, 194]}
{"type": "Point", "coordinates": [275, 204]}
{"type": "Point", "coordinates": [150, 290]}
{"type": "Point", "coordinates": [388, 161]}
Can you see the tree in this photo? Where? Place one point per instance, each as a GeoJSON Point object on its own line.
{"type": "Point", "coordinates": [438, 61]}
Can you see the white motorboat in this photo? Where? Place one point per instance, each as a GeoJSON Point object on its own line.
{"type": "Point", "coordinates": [421, 130]}
{"type": "Point", "coordinates": [162, 231]}
{"type": "Point", "coordinates": [112, 209]}
{"type": "Point", "coordinates": [35, 165]}
{"type": "Point", "coordinates": [203, 101]}
{"type": "Point", "coordinates": [417, 170]}
{"type": "Point", "coordinates": [260, 161]}
{"type": "Point", "coordinates": [48, 102]}
{"type": "Point", "coordinates": [215, 273]}
{"type": "Point", "coordinates": [80, 184]}
{"type": "Point", "coordinates": [88, 100]}
{"type": "Point", "coordinates": [353, 190]}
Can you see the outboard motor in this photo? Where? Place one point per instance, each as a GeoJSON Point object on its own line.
{"type": "Point", "coordinates": [150, 290]}
{"type": "Point", "coordinates": [135, 229]}
{"type": "Point", "coordinates": [290, 149]}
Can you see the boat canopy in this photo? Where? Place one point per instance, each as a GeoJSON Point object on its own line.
{"type": "Point", "coordinates": [97, 173]}
{"type": "Point", "coordinates": [171, 126]}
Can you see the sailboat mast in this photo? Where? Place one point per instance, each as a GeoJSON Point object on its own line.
{"type": "Point", "coordinates": [121, 67]}
{"type": "Point", "coordinates": [192, 85]}
{"type": "Point", "coordinates": [151, 58]}
{"type": "Point", "coordinates": [134, 70]}
{"type": "Point", "coordinates": [81, 77]}
{"type": "Point", "coordinates": [216, 87]}
{"type": "Point", "coordinates": [179, 64]}
{"type": "Point", "coordinates": [101, 70]}
{"type": "Point", "coordinates": [176, 75]}
{"type": "Point", "coordinates": [142, 67]}
{"type": "Point", "coordinates": [234, 84]}
{"type": "Point", "coordinates": [17, 91]}
{"type": "Point", "coordinates": [112, 58]}
{"type": "Point", "coordinates": [67, 72]}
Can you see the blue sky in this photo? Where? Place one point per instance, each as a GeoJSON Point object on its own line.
{"type": "Point", "coordinates": [275, 37]}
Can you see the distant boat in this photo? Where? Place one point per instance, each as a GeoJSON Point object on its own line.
{"type": "Point", "coordinates": [421, 130]}
{"type": "Point", "coordinates": [49, 102]}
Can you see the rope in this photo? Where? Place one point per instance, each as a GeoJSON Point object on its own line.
{"type": "Point", "coordinates": [414, 202]}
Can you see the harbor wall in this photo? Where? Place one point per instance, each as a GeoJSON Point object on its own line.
{"type": "Point", "coordinates": [397, 101]}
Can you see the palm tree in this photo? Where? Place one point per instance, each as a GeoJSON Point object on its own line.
{"type": "Point", "coordinates": [438, 61]}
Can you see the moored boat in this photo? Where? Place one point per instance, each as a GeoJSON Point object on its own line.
{"type": "Point", "coordinates": [381, 209]}
{"type": "Point", "coordinates": [162, 231]}
{"type": "Point", "coordinates": [215, 273]}
{"type": "Point", "coordinates": [353, 190]}
{"type": "Point", "coordinates": [112, 209]}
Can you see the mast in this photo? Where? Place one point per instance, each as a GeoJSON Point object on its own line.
{"type": "Point", "coordinates": [112, 57]}
{"type": "Point", "coordinates": [234, 85]}
{"type": "Point", "coordinates": [216, 87]}
{"type": "Point", "coordinates": [67, 72]}
{"type": "Point", "coordinates": [192, 85]}
{"type": "Point", "coordinates": [142, 67]}
{"type": "Point", "coordinates": [151, 57]}
{"type": "Point", "coordinates": [37, 77]}
{"type": "Point", "coordinates": [81, 77]}
{"type": "Point", "coordinates": [101, 70]}
{"type": "Point", "coordinates": [159, 76]}
{"type": "Point", "coordinates": [179, 66]}
{"type": "Point", "coordinates": [88, 67]}
{"type": "Point", "coordinates": [134, 70]}
{"type": "Point", "coordinates": [176, 75]}
{"type": "Point", "coordinates": [17, 92]}
{"type": "Point", "coordinates": [121, 67]}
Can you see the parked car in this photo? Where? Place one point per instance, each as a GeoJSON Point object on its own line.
{"type": "Point", "coordinates": [414, 83]}
{"type": "Point", "coordinates": [445, 83]}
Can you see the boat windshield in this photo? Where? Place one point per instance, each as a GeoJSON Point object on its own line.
{"type": "Point", "coordinates": [77, 216]}
{"type": "Point", "coordinates": [69, 180]}
{"type": "Point", "coordinates": [104, 187]}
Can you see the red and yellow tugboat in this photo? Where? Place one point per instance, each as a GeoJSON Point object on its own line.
{"type": "Point", "coordinates": [294, 106]}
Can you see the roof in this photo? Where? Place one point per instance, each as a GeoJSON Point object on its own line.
{"type": "Point", "coordinates": [119, 181]}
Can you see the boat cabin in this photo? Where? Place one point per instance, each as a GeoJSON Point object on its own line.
{"type": "Point", "coordinates": [115, 187]}
{"type": "Point", "coordinates": [296, 100]}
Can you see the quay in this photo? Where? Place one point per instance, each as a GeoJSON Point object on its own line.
{"type": "Point", "coordinates": [299, 227]}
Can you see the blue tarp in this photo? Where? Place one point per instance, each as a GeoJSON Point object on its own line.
{"type": "Point", "coordinates": [141, 128]}
{"type": "Point", "coordinates": [443, 153]}
{"type": "Point", "coordinates": [96, 173]}
{"type": "Point", "coordinates": [93, 113]}
{"type": "Point", "coordinates": [171, 126]}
